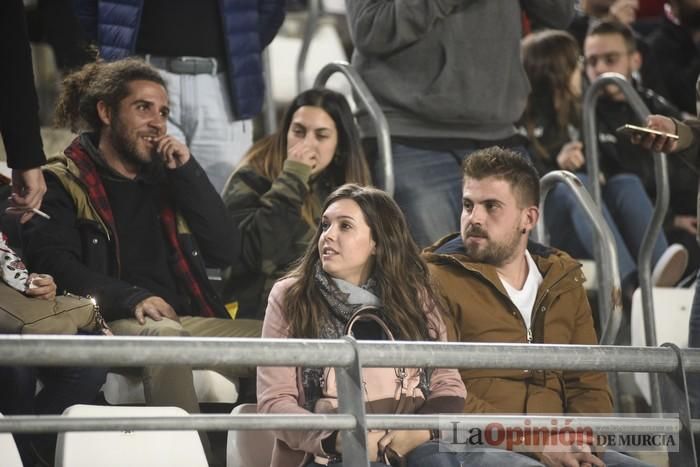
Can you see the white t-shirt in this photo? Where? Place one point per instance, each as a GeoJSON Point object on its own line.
{"type": "Point", "coordinates": [524, 299]}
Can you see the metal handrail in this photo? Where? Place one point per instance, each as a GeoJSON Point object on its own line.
{"type": "Point", "coordinates": [125, 351]}
{"type": "Point", "coordinates": [609, 293]}
{"type": "Point", "coordinates": [269, 110]}
{"type": "Point", "coordinates": [346, 355]}
{"type": "Point", "coordinates": [213, 422]}
{"type": "Point", "coordinates": [375, 112]}
{"type": "Point", "coordinates": [590, 136]}
{"type": "Point", "coordinates": [312, 16]}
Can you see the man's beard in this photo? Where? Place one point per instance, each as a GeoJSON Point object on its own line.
{"type": "Point", "coordinates": [127, 148]}
{"type": "Point", "coordinates": [493, 253]}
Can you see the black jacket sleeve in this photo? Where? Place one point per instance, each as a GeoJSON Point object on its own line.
{"type": "Point", "coordinates": [219, 239]}
{"type": "Point", "coordinates": [19, 106]}
{"type": "Point", "coordinates": [77, 255]}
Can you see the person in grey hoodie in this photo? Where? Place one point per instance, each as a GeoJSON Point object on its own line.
{"type": "Point", "coordinates": [447, 75]}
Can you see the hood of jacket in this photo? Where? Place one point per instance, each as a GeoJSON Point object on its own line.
{"type": "Point", "coordinates": [557, 267]}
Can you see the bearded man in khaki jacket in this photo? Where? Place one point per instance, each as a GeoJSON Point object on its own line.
{"type": "Point", "coordinates": [499, 287]}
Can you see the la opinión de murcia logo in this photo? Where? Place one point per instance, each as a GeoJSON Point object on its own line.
{"type": "Point", "coordinates": [557, 434]}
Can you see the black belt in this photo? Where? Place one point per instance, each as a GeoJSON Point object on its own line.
{"type": "Point", "coordinates": [185, 65]}
{"type": "Point", "coordinates": [328, 460]}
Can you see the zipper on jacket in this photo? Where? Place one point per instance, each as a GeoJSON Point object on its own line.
{"type": "Point", "coordinates": [538, 305]}
{"type": "Point", "coordinates": [535, 308]}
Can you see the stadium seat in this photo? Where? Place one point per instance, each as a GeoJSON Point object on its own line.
{"type": "Point", "coordinates": [672, 312]}
{"type": "Point", "coordinates": [284, 50]}
{"type": "Point", "coordinates": [589, 271]}
{"type": "Point", "coordinates": [249, 448]}
{"type": "Point", "coordinates": [9, 455]}
{"type": "Point", "coordinates": [128, 448]}
{"type": "Point", "coordinates": [210, 386]}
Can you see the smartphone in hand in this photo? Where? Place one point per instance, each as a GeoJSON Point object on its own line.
{"type": "Point", "coordinates": [631, 130]}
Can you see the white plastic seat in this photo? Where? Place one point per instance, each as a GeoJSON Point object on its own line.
{"type": "Point", "coordinates": [209, 385]}
{"type": "Point", "coordinates": [9, 455]}
{"type": "Point", "coordinates": [589, 271]}
{"type": "Point", "coordinates": [249, 448]}
{"type": "Point", "coordinates": [128, 448]}
{"type": "Point", "coordinates": [336, 7]}
{"type": "Point", "coordinates": [284, 50]}
{"type": "Point", "coordinates": [672, 313]}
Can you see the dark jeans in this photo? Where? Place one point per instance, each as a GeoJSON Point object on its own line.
{"type": "Point", "coordinates": [62, 387]}
{"type": "Point", "coordinates": [627, 210]}
{"type": "Point", "coordinates": [428, 454]}
{"type": "Point", "coordinates": [490, 457]}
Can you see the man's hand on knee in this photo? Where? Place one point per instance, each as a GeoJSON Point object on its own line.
{"type": "Point", "coordinates": [155, 308]}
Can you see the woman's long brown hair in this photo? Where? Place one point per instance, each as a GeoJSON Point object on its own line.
{"type": "Point", "coordinates": [403, 281]}
{"type": "Point", "coordinates": [550, 57]}
{"type": "Point", "coordinates": [349, 164]}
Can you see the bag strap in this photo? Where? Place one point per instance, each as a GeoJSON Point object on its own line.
{"type": "Point", "coordinates": [364, 313]}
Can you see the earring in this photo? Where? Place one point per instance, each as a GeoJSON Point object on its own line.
{"type": "Point", "coordinates": [523, 231]}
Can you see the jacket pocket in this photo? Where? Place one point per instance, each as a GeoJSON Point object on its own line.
{"type": "Point", "coordinates": [96, 248]}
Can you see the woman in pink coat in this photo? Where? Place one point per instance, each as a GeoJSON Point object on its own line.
{"type": "Point", "coordinates": [362, 255]}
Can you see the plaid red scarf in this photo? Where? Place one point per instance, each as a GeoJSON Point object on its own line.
{"type": "Point", "coordinates": [97, 195]}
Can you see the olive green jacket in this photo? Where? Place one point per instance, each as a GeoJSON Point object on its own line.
{"type": "Point", "coordinates": [274, 234]}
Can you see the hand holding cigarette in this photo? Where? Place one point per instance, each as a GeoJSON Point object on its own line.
{"type": "Point", "coordinates": [28, 188]}
{"type": "Point", "coordinates": [26, 213]}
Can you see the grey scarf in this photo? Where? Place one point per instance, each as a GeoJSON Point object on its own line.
{"type": "Point", "coordinates": [343, 299]}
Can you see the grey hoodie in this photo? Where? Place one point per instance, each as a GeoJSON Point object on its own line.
{"type": "Point", "coordinates": [447, 68]}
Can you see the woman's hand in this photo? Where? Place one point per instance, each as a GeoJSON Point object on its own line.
{"type": "Point", "coordinates": [571, 156]}
{"type": "Point", "coordinates": [302, 152]}
{"type": "Point", "coordinates": [403, 441]}
{"type": "Point", "coordinates": [41, 286]}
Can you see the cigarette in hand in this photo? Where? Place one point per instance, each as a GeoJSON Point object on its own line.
{"type": "Point", "coordinates": [40, 213]}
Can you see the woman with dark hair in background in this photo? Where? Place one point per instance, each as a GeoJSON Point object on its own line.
{"type": "Point", "coordinates": [552, 122]}
{"type": "Point", "coordinates": [275, 195]}
{"type": "Point", "coordinates": [361, 255]}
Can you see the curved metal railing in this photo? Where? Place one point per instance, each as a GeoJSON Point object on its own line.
{"type": "Point", "coordinates": [312, 16]}
{"type": "Point", "coordinates": [609, 293]}
{"type": "Point", "coordinates": [590, 137]}
{"type": "Point", "coordinates": [375, 112]}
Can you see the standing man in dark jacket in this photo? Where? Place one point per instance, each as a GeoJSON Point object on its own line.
{"type": "Point", "coordinates": [19, 107]}
{"type": "Point", "coordinates": [498, 287]}
{"type": "Point", "coordinates": [675, 49]}
{"type": "Point", "coordinates": [134, 220]}
{"type": "Point", "coordinates": [209, 53]}
{"type": "Point", "coordinates": [688, 133]}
